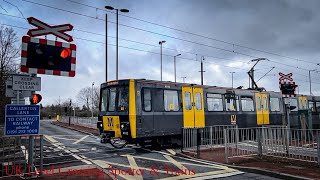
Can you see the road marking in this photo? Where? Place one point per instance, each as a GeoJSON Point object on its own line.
{"type": "Point", "coordinates": [216, 166]}
{"type": "Point", "coordinates": [112, 174]}
{"type": "Point", "coordinates": [176, 163]}
{"type": "Point", "coordinates": [226, 172]}
{"type": "Point", "coordinates": [171, 151]}
{"type": "Point", "coordinates": [80, 139]}
{"type": "Point", "coordinates": [134, 165]}
{"type": "Point", "coordinates": [50, 139]}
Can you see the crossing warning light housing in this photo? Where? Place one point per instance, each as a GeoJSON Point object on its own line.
{"type": "Point", "coordinates": [35, 98]}
{"type": "Point", "coordinates": [41, 56]}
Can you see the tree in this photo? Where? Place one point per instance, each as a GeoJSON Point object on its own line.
{"type": "Point", "coordinates": [87, 96]}
{"type": "Point", "coordinates": [9, 53]}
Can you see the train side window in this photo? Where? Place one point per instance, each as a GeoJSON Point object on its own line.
{"type": "Point", "coordinates": [171, 100]}
{"type": "Point", "coordinates": [318, 106]}
{"type": "Point", "coordinates": [305, 104]}
{"type": "Point", "coordinates": [104, 99]}
{"type": "Point", "coordinates": [233, 104]}
{"type": "Point", "coordinates": [300, 104]}
{"type": "Point", "coordinates": [187, 97]}
{"type": "Point", "coordinates": [274, 104]}
{"type": "Point", "coordinates": [311, 106]}
{"type": "Point", "coordinates": [198, 101]}
{"type": "Point", "coordinates": [112, 99]}
{"type": "Point", "coordinates": [214, 102]}
{"type": "Point", "coordinates": [147, 106]}
{"type": "Point", "coordinates": [247, 103]}
{"type": "Point", "coordinates": [259, 103]}
{"type": "Point", "coordinates": [265, 104]}
{"type": "Point", "coordinates": [294, 102]}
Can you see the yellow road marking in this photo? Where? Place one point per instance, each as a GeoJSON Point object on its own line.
{"type": "Point", "coordinates": [50, 139]}
{"type": "Point", "coordinates": [184, 163]}
{"type": "Point", "coordinates": [80, 139]}
{"type": "Point", "coordinates": [171, 151]}
{"type": "Point", "coordinates": [134, 165]}
{"type": "Point", "coordinates": [176, 163]}
{"type": "Point", "coordinates": [113, 174]}
{"type": "Point", "coordinates": [200, 174]}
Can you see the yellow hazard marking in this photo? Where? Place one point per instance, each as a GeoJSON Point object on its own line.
{"type": "Point", "coordinates": [80, 139]}
{"type": "Point", "coordinates": [184, 163]}
{"type": "Point", "coordinates": [171, 151]}
{"type": "Point", "coordinates": [50, 139]}
{"type": "Point", "coordinates": [176, 163]}
{"type": "Point", "coordinates": [134, 165]}
{"type": "Point", "coordinates": [201, 174]}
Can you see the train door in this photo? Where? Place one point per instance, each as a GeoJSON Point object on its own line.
{"type": "Point", "coordinates": [193, 107]}
{"type": "Point", "coordinates": [262, 106]}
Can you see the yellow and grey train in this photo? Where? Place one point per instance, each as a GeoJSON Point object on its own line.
{"type": "Point", "coordinates": [140, 111]}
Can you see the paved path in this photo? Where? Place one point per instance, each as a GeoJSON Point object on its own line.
{"type": "Point", "coordinates": [72, 148]}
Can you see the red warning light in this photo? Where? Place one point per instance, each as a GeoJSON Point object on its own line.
{"type": "Point", "coordinates": [65, 53]}
{"type": "Point", "coordinates": [35, 98]}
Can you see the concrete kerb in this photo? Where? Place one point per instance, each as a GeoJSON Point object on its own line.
{"type": "Point", "coordinates": [250, 169]}
{"type": "Point", "coordinates": [73, 129]}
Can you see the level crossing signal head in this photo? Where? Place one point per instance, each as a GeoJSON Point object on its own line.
{"type": "Point", "coordinates": [35, 98]}
{"type": "Point", "coordinates": [41, 56]}
{"type": "Point", "coordinates": [288, 89]}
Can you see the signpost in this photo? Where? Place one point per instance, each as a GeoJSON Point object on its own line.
{"type": "Point", "coordinates": [22, 120]}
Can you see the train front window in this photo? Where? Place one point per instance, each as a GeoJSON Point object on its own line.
{"type": "Point", "coordinates": [123, 99]}
{"type": "Point", "coordinates": [112, 99]}
{"type": "Point", "coordinates": [104, 99]}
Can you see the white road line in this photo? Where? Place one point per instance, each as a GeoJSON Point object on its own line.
{"type": "Point", "coordinates": [134, 165]}
{"type": "Point", "coordinates": [50, 139]}
{"type": "Point", "coordinates": [80, 139]}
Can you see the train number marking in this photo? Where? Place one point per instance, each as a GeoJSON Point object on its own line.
{"type": "Point", "coordinates": [110, 123]}
{"type": "Point", "coordinates": [233, 119]}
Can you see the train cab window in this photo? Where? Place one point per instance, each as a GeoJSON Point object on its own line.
{"type": "Point", "coordinates": [147, 100]}
{"type": "Point", "coordinates": [104, 99]}
{"type": "Point", "coordinates": [171, 100]}
{"type": "Point", "coordinates": [294, 102]}
{"type": "Point", "coordinates": [232, 104]}
{"type": "Point", "coordinates": [112, 99]}
{"type": "Point", "coordinates": [198, 101]}
{"type": "Point", "coordinates": [123, 99]}
{"type": "Point", "coordinates": [247, 103]}
{"type": "Point", "coordinates": [214, 102]}
{"type": "Point", "coordinates": [187, 102]}
{"type": "Point", "coordinates": [274, 104]}
{"type": "Point", "coordinates": [311, 106]}
{"type": "Point", "coordinates": [318, 106]}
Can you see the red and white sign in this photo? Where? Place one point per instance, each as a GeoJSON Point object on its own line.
{"type": "Point", "coordinates": [24, 68]}
{"type": "Point", "coordinates": [44, 29]}
{"type": "Point", "coordinates": [285, 77]}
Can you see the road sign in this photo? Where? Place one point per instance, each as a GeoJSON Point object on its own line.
{"type": "Point", "coordinates": [11, 93]}
{"type": "Point", "coordinates": [42, 56]}
{"type": "Point", "coordinates": [22, 120]}
{"type": "Point", "coordinates": [285, 77]}
{"type": "Point", "coordinates": [44, 29]}
{"type": "Point", "coordinates": [26, 83]}
{"type": "Point", "coordinates": [287, 85]}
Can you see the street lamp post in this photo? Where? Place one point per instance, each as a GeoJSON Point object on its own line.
{"type": "Point", "coordinates": [175, 70]}
{"type": "Point", "coordinates": [160, 43]}
{"type": "Point", "coordinates": [117, 36]}
{"type": "Point", "coordinates": [232, 78]}
{"type": "Point", "coordinates": [92, 99]}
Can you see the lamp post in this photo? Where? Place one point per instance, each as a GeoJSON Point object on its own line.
{"type": "Point", "coordinates": [175, 71]}
{"type": "Point", "coordinates": [183, 78]}
{"type": "Point", "coordinates": [117, 36]}
{"type": "Point", "coordinates": [92, 99]}
{"type": "Point", "coordinates": [160, 43]}
{"type": "Point", "coordinates": [232, 78]}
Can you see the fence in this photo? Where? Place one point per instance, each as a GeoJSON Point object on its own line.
{"type": "Point", "coordinates": [21, 156]}
{"type": "Point", "coordinates": [301, 144]}
{"type": "Point", "coordinates": [196, 139]}
{"type": "Point", "coordinates": [87, 122]}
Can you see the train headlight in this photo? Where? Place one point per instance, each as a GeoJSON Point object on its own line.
{"type": "Point", "coordinates": [100, 125]}
{"type": "Point", "coordinates": [122, 126]}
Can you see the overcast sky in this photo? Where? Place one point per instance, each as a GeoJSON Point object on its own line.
{"type": "Point", "coordinates": [289, 28]}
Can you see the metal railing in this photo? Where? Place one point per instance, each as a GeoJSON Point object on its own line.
{"type": "Point", "coordinates": [86, 122]}
{"type": "Point", "coordinates": [21, 156]}
{"type": "Point", "coordinates": [196, 139]}
{"type": "Point", "coordinates": [301, 144]}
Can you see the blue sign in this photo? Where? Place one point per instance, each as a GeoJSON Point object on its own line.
{"type": "Point", "coordinates": [22, 120]}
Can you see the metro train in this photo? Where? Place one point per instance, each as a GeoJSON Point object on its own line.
{"type": "Point", "coordinates": [142, 111]}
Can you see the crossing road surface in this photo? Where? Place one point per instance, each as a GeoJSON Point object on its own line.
{"type": "Point", "coordinates": [65, 147]}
